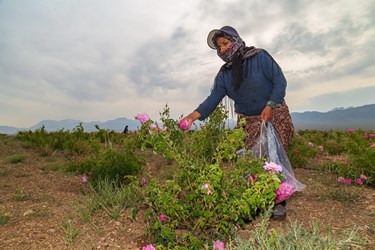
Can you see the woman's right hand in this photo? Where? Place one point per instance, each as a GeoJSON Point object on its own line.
{"type": "Point", "coordinates": [191, 118]}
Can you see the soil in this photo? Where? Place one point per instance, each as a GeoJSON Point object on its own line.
{"type": "Point", "coordinates": [39, 206]}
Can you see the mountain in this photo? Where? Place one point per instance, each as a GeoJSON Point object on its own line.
{"type": "Point", "coordinates": [362, 117]}
{"type": "Point", "coordinates": [10, 130]}
{"type": "Point", "coordinates": [117, 125]}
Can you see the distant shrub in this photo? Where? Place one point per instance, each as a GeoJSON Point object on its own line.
{"type": "Point", "coordinates": [110, 165]}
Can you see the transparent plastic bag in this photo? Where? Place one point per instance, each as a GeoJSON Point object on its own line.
{"type": "Point", "coordinates": [269, 146]}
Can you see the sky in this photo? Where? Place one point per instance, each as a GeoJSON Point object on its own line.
{"type": "Point", "coordinates": [95, 60]}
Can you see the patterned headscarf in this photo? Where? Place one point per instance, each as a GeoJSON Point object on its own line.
{"type": "Point", "coordinates": [237, 45]}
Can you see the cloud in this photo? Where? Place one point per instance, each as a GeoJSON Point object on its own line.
{"type": "Point", "coordinates": [98, 60]}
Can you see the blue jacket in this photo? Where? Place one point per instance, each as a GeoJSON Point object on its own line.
{"type": "Point", "coordinates": [263, 81]}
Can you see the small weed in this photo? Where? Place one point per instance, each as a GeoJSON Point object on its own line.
{"type": "Point", "coordinates": [5, 172]}
{"type": "Point", "coordinates": [17, 158]}
{"type": "Point", "coordinates": [3, 219]}
{"type": "Point", "coordinates": [53, 167]}
{"type": "Point", "coordinates": [21, 196]}
{"type": "Point", "coordinates": [343, 196]}
{"type": "Point", "coordinates": [22, 174]}
{"type": "Point", "coordinates": [70, 232]}
{"type": "Point", "coordinates": [41, 213]}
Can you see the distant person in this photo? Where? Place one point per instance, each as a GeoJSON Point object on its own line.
{"type": "Point", "coordinates": [256, 84]}
{"type": "Point", "coordinates": [126, 129]}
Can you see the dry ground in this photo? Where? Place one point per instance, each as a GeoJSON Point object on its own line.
{"type": "Point", "coordinates": [40, 201]}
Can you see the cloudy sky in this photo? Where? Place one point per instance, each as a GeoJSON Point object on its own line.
{"type": "Point", "coordinates": [96, 60]}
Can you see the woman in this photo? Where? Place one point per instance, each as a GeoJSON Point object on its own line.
{"type": "Point", "coordinates": [253, 80]}
{"type": "Point", "coordinates": [256, 84]}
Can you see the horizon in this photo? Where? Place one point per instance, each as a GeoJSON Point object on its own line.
{"type": "Point", "coordinates": [157, 120]}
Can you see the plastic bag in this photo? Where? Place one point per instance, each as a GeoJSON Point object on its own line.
{"type": "Point", "coordinates": [269, 146]}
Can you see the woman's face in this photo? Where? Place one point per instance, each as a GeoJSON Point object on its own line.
{"type": "Point", "coordinates": [222, 44]}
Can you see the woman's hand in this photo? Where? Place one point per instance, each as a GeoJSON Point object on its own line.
{"type": "Point", "coordinates": [191, 118]}
{"type": "Point", "coordinates": [266, 114]}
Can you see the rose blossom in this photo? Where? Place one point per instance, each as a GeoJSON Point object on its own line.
{"type": "Point", "coordinates": [359, 181]}
{"type": "Point", "coordinates": [219, 245]}
{"type": "Point", "coordinates": [284, 192]}
{"type": "Point", "coordinates": [162, 217]}
{"type": "Point", "coordinates": [143, 118]}
{"type": "Point", "coordinates": [348, 181]}
{"type": "Point", "coordinates": [84, 179]}
{"type": "Point", "coordinates": [341, 180]}
{"type": "Point", "coordinates": [149, 247]}
{"type": "Point", "coordinates": [363, 177]}
{"type": "Point", "coordinates": [184, 124]}
{"type": "Point", "coordinates": [273, 166]}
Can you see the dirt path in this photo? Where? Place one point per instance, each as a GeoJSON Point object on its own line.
{"type": "Point", "coordinates": [41, 206]}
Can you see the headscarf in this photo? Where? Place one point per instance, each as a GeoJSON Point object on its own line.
{"type": "Point", "coordinates": [233, 55]}
{"type": "Point", "coordinates": [236, 46]}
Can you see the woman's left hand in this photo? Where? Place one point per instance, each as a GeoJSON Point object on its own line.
{"type": "Point", "coordinates": [266, 114]}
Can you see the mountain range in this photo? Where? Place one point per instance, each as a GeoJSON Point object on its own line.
{"type": "Point", "coordinates": [362, 117]}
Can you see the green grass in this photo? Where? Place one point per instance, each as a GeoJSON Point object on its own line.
{"type": "Point", "coordinates": [295, 237]}
{"type": "Point", "coordinates": [17, 158]}
{"type": "Point", "coordinates": [70, 232]}
{"type": "Point", "coordinates": [111, 199]}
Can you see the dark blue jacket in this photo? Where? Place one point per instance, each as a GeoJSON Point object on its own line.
{"type": "Point", "coordinates": [263, 81]}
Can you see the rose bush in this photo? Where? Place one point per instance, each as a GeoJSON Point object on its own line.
{"type": "Point", "coordinates": [208, 196]}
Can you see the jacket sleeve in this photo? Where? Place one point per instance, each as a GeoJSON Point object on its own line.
{"type": "Point", "coordinates": [217, 94]}
{"type": "Point", "coordinates": [274, 74]}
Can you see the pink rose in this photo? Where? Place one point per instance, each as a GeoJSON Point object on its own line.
{"type": "Point", "coordinates": [219, 245]}
{"type": "Point", "coordinates": [359, 181]}
{"type": "Point", "coordinates": [341, 180]}
{"type": "Point", "coordinates": [284, 192]}
{"type": "Point", "coordinates": [273, 166]}
{"type": "Point", "coordinates": [162, 217]}
{"type": "Point", "coordinates": [348, 181]}
{"type": "Point", "coordinates": [149, 247]}
{"type": "Point", "coordinates": [252, 178]}
{"type": "Point", "coordinates": [84, 179]}
{"type": "Point", "coordinates": [143, 118]}
{"type": "Point", "coordinates": [184, 124]}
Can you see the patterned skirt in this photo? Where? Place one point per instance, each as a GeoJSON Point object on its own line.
{"type": "Point", "coordinates": [281, 120]}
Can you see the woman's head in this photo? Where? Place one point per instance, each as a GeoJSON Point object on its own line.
{"type": "Point", "coordinates": [226, 41]}
{"type": "Point", "coordinates": [227, 31]}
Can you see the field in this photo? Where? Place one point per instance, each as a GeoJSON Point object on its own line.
{"type": "Point", "coordinates": [44, 206]}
